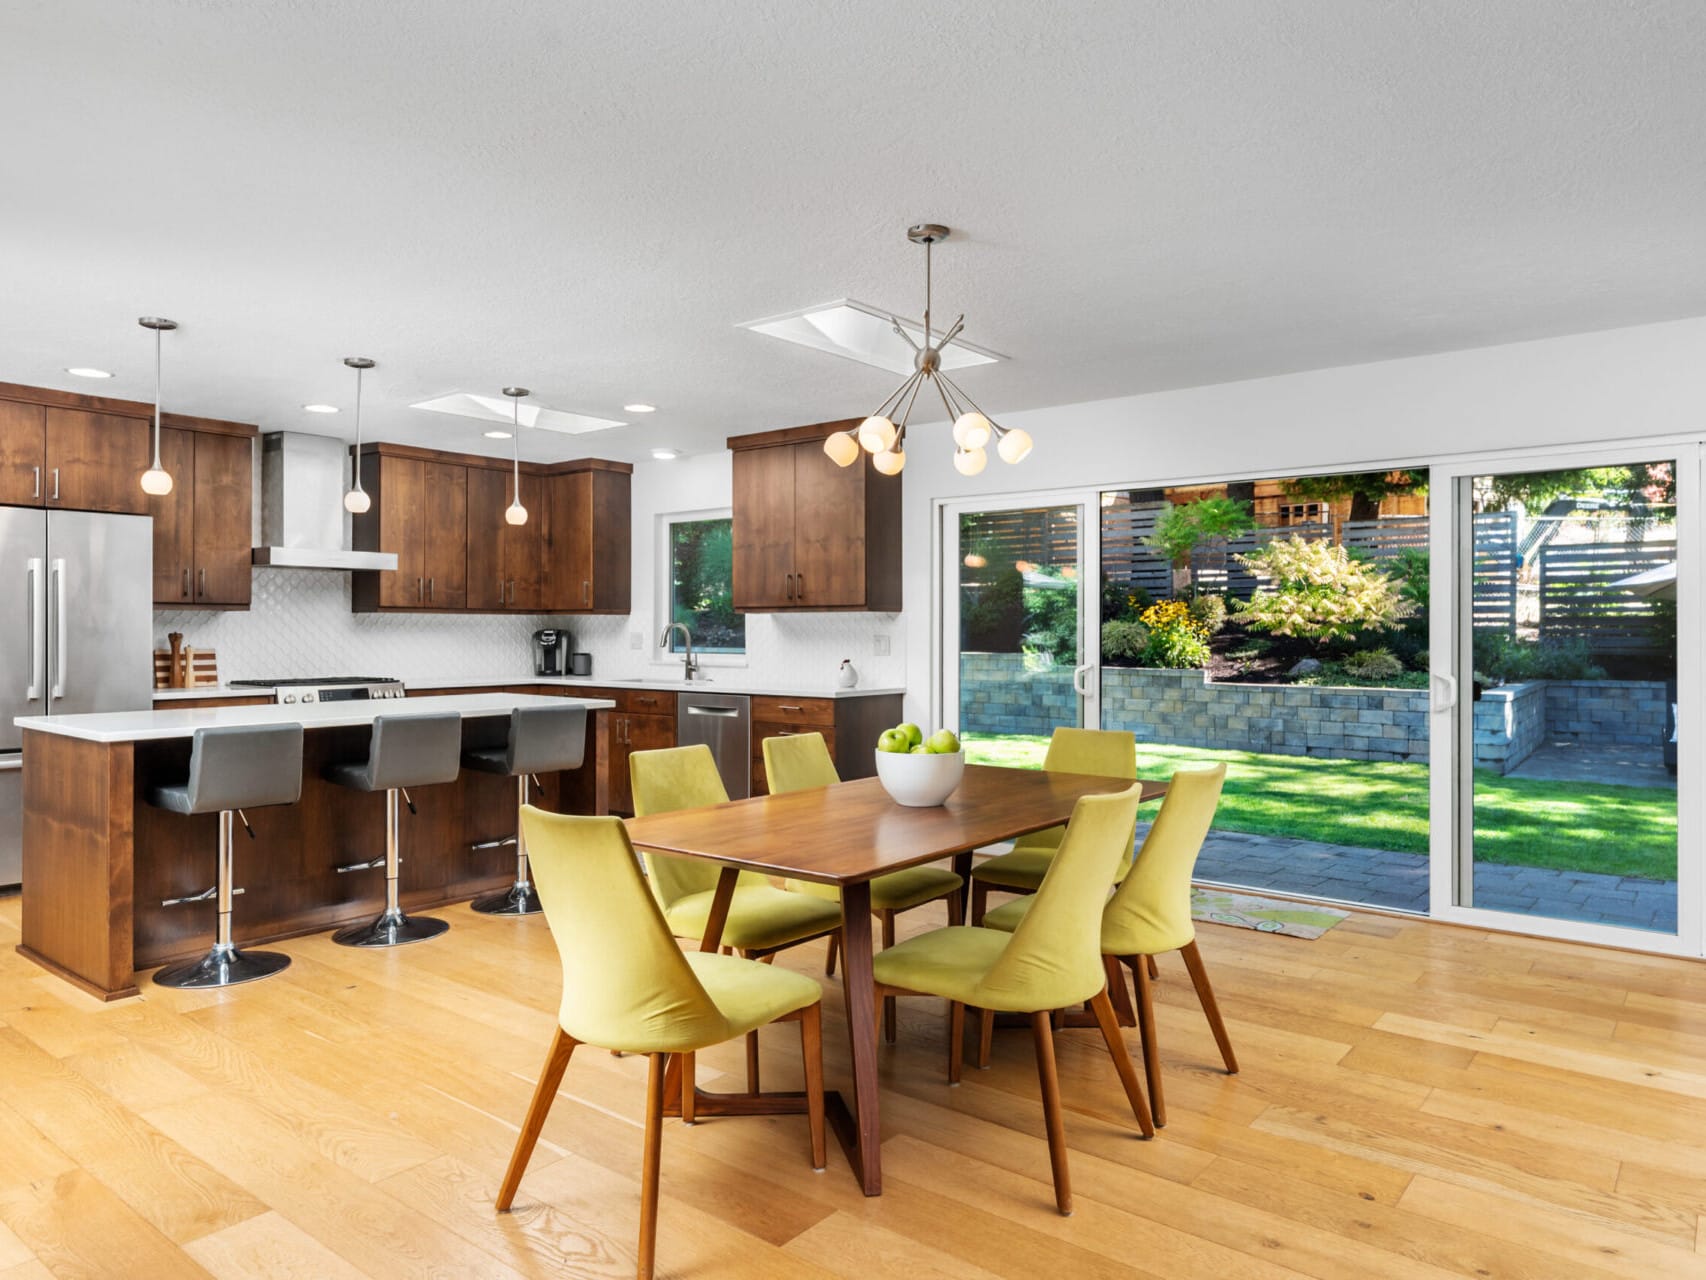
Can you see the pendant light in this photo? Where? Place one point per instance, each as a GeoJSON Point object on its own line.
{"type": "Point", "coordinates": [880, 436]}
{"type": "Point", "coordinates": [156, 481]}
{"type": "Point", "coordinates": [515, 513]}
{"type": "Point", "coordinates": [357, 500]}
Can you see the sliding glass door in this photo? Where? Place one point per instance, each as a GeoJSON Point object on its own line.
{"type": "Point", "coordinates": [1572, 660]}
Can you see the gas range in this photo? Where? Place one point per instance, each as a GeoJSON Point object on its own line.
{"type": "Point", "coordinates": [326, 688]}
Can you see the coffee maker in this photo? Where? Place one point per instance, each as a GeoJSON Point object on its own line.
{"type": "Point", "coordinates": [551, 652]}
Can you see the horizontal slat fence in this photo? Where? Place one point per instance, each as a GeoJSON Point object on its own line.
{"type": "Point", "coordinates": [1577, 599]}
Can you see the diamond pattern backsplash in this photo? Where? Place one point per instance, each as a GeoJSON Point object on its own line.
{"type": "Point", "coordinates": [300, 624]}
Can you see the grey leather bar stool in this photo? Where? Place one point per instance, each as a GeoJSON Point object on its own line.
{"type": "Point", "coordinates": [404, 751]}
{"type": "Point", "coordinates": [231, 770]}
{"type": "Point", "coordinates": [541, 740]}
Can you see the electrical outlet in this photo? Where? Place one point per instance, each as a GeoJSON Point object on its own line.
{"type": "Point", "coordinates": [879, 646]}
{"type": "Point", "coordinates": [636, 640]}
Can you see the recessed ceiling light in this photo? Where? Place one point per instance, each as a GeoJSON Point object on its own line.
{"type": "Point", "coordinates": [465, 404]}
{"type": "Point", "coordinates": [859, 331]}
{"type": "Point", "coordinates": [320, 408]}
{"type": "Point", "coordinates": [81, 371]}
{"type": "Point", "coordinates": [639, 408]}
{"type": "Point", "coordinates": [665, 455]}
{"type": "Point", "coordinates": [497, 435]}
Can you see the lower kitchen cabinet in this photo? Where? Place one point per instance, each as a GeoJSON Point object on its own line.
{"type": "Point", "coordinates": [849, 727]}
{"type": "Point", "coordinates": [627, 734]}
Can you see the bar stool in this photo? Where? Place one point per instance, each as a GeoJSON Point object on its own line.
{"type": "Point", "coordinates": [541, 740]}
{"type": "Point", "coordinates": [231, 770]}
{"type": "Point", "coordinates": [404, 751]}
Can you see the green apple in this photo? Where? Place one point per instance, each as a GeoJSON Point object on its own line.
{"type": "Point", "coordinates": [943, 743]}
{"type": "Point", "coordinates": [914, 735]}
{"type": "Point", "coordinates": [920, 751]}
{"type": "Point", "coordinates": [893, 740]}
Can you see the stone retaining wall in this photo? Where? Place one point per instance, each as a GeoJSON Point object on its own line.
{"type": "Point", "coordinates": [1510, 725]}
{"type": "Point", "coordinates": [1629, 713]}
{"type": "Point", "coordinates": [997, 695]}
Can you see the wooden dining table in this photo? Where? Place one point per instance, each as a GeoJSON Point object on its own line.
{"type": "Point", "coordinates": [846, 835]}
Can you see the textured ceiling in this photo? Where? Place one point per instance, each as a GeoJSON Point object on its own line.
{"type": "Point", "coordinates": [587, 199]}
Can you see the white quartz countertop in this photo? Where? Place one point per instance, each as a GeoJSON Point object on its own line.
{"type": "Point", "coordinates": [148, 726]}
{"type": "Point", "coordinates": [718, 683]}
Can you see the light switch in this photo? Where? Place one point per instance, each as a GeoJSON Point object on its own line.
{"type": "Point", "coordinates": [636, 640]}
{"type": "Point", "coordinates": [879, 646]}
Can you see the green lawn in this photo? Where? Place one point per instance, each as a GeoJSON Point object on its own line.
{"type": "Point", "coordinates": [1573, 826]}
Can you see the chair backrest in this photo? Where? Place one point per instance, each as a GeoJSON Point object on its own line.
{"type": "Point", "coordinates": [414, 751]}
{"type": "Point", "coordinates": [245, 767]}
{"type": "Point", "coordinates": [626, 984]}
{"type": "Point", "coordinates": [798, 762]}
{"type": "Point", "coordinates": [1108, 753]}
{"type": "Point", "coordinates": [664, 781]}
{"type": "Point", "coordinates": [1151, 912]}
{"type": "Point", "coordinates": [546, 739]}
{"type": "Point", "coordinates": [1055, 958]}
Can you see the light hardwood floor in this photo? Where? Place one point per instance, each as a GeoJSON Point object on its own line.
{"type": "Point", "coordinates": [1416, 1101]}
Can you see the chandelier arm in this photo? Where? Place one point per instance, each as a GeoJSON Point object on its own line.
{"type": "Point", "coordinates": [943, 392]}
{"type": "Point", "coordinates": [953, 393]}
{"type": "Point", "coordinates": [958, 392]}
{"type": "Point", "coordinates": [899, 329]}
{"type": "Point", "coordinates": [894, 398]}
{"type": "Point", "coordinates": [952, 333]}
{"type": "Point", "coordinates": [917, 386]}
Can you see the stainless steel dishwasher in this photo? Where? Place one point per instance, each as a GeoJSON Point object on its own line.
{"type": "Point", "coordinates": [723, 722]}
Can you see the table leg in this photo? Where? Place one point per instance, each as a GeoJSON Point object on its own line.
{"type": "Point", "coordinates": [720, 900]}
{"type": "Point", "coordinates": [861, 1132]}
{"type": "Point", "coordinates": [962, 868]}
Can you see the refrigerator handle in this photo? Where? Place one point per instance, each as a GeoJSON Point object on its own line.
{"type": "Point", "coordinates": [57, 625]}
{"type": "Point", "coordinates": [34, 606]}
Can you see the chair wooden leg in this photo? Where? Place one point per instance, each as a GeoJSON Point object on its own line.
{"type": "Point", "coordinates": [956, 1039]}
{"type": "Point", "coordinates": [752, 1062]}
{"type": "Point", "coordinates": [649, 1165]}
{"type": "Point", "coordinates": [1117, 992]}
{"type": "Point", "coordinates": [811, 1049]}
{"type": "Point", "coordinates": [544, 1093]}
{"type": "Point", "coordinates": [956, 908]}
{"type": "Point", "coordinates": [688, 1063]}
{"type": "Point", "coordinates": [1151, 1039]}
{"type": "Point", "coordinates": [1042, 1033]}
{"type": "Point", "coordinates": [985, 1037]}
{"type": "Point", "coordinates": [829, 959]}
{"type": "Point", "coordinates": [1205, 994]}
{"type": "Point", "coordinates": [979, 900]}
{"type": "Point", "coordinates": [1110, 1030]}
{"type": "Point", "coordinates": [887, 918]}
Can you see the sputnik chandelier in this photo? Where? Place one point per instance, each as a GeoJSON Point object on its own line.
{"type": "Point", "coordinates": [879, 434]}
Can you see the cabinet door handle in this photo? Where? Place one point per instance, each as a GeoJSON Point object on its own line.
{"type": "Point", "coordinates": [186, 592]}
{"type": "Point", "coordinates": [512, 591]}
{"type": "Point", "coordinates": [799, 586]}
{"type": "Point", "coordinates": [429, 590]}
{"type": "Point", "coordinates": [201, 582]}
{"type": "Point", "coordinates": [420, 590]}
{"type": "Point", "coordinates": [56, 484]}
{"type": "Point", "coordinates": [784, 707]}
{"type": "Point", "coordinates": [37, 492]}
{"type": "Point", "coordinates": [586, 592]}
{"type": "Point", "coordinates": [790, 586]}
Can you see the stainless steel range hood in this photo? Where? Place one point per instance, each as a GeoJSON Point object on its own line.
{"type": "Point", "coordinates": [303, 522]}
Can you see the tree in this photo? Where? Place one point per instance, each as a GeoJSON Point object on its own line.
{"type": "Point", "coordinates": [1537, 490]}
{"type": "Point", "coordinates": [1182, 529]}
{"type": "Point", "coordinates": [1365, 489]}
{"type": "Point", "coordinates": [1317, 591]}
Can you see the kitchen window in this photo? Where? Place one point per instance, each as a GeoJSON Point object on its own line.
{"type": "Point", "coordinates": [699, 572]}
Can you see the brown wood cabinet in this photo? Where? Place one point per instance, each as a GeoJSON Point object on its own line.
{"type": "Point", "coordinates": [202, 528]}
{"type": "Point", "coordinates": [849, 727]}
{"type": "Point", "coordinates": [420, 514]}
{"type": "Point", "coordinates": [809, 535]}
{"type": "Point", "coordinates": [95, 461]}
{"type": "Point", "coordinates": [23, 454]}
{"type": "Point", "coordinates": [505, 561]}
{"type": "Point", "coordinates": [588, 538]}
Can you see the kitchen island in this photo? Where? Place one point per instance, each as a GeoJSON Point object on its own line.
{"type": "Point", "coordinates": [100, 862]}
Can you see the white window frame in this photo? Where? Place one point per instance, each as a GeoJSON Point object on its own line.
{"type": "Point", "coordinates": [664, 577]}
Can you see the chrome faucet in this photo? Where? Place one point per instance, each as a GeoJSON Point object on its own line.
{"type": "Point", "coordinates": [690, 667]}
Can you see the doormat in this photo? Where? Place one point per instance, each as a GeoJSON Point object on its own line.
{"type": "Point", "coordinates": [1265, 915]}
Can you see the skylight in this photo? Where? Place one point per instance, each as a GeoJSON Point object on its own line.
{"type": "Point", "coordinates": [465, 404]}
{"type": "Point", "coordinates": [859, 331]}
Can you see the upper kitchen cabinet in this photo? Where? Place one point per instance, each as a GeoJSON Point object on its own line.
{"type": "Point", "coordinates": [588, 542]}
{"type": "Point", "coordinates": [419, 514]}
{"type": "Point", "coordinates": [203, 528]}
{"type": "Point", "coordinates": [72, 452]}
{"type": "Point", "coordinates": [23, 454]}
{"type": "Point", "coordinates": [809, 535]}
{"type": "Point", "coordinates": [505, 561]}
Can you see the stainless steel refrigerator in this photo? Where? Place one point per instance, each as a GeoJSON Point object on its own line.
{"type": "Point", "coordinates": [76, 632]}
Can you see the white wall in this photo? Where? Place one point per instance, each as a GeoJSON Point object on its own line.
{"type": "Point", "coordinates": [1648, 380]}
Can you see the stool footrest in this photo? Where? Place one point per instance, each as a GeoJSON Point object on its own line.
{"type": "Point", "coordinates": [504, 843]}
{"type": "Point", "coordinates": [206, 895]}
{"type": "Point", "coordinates": [362, 866]}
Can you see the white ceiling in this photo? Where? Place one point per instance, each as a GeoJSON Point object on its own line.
{"type": "Point", "coordinates": [587, 199]}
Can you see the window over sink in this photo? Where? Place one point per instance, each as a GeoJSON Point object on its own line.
{"type": "Point", "coordinates": [698, 571]}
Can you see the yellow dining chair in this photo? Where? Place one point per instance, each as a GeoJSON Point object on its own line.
{"type": "Point", "coordinates": [627, 986]}
{"type": "Point", "coordinates": [800, 761]}
{"type": "Point", "coordinates": [1051, 961]}
{"type": "Point", "coordinates": [1107, 752]}
{"type": "Point", "coordinates": [1151, 914]}
{"type": "Point", "coordinates": [762, 919]}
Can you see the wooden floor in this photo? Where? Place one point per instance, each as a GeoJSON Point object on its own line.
{"type": "Point", "coordinates": [1416, 1101]}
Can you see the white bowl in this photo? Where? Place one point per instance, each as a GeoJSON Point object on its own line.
{"type": "Point", "coordinates": [920, 781]}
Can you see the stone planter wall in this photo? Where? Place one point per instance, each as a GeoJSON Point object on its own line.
{"type": "Point", "coordinates": [1510, 725]}
{"type": "Point", "coordinates": [1626, 713]}
{"type": "Point", "coordinates": [997, 695]}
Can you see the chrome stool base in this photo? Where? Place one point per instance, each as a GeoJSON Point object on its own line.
{"type": "Point", "coordinates": [222, 967]}
{"type": "Point", "coordinates": [391, 928]}
{"type": "Point", "coordinates": [517, 900]}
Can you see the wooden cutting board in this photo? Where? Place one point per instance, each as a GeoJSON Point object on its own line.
{"type": "Point", "coordinates": [204, 668]}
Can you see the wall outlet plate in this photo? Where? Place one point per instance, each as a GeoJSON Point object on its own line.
{"type": "Point", "coordinates": [879, 646]}
{"type": "Point", "coordinates": [636, 640]}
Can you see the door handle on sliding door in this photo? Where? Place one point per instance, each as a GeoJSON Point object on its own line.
{"type": "Point", "coordinates": [1435, 701]}
{"type": "Point", "coordinates": [35, 604]}
{"type": "Point", "coordinates": [57, 623]}
{"type": "Point", "coordinates": [1081, 679]}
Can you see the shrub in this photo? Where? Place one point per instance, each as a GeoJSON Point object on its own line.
{"type": "Point", "coordinates": [1176, 640]}
{"type": "Point", "coordinates": [1410, 568]}
{"type": "Point", "coordinates": [1209, 612]}
{"type": "Point", "coordinates": [1121, 600]}
{"type": "Point", "coordinates": [1124, 641]}
{"type": "Point", "coordinates": [1500, 657]}
{"type": "Point", "coordinates": [1319, 593]}
{"type": "Point", "coordinates": [1372, 664]}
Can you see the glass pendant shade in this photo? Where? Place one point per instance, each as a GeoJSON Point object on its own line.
{"type": "Point", "coordinates": [889, 461]}
{"type": "Point", "coordinates": [968, 462]}
{"type": "Point", "coordinates": [876, 434]}
{"type": "Point", "coordinates": [843, 449]}
{"type": "Point", "coordinates": [515, 513]}
{"type": "Point", "coordinates": [1015, 446]}
{"type": "Point", "coordinates": [971, 430]}
{"type": "Point", "coordinates": [156, 481]}
{"type": "Point", "coordinates": [356, 501]}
